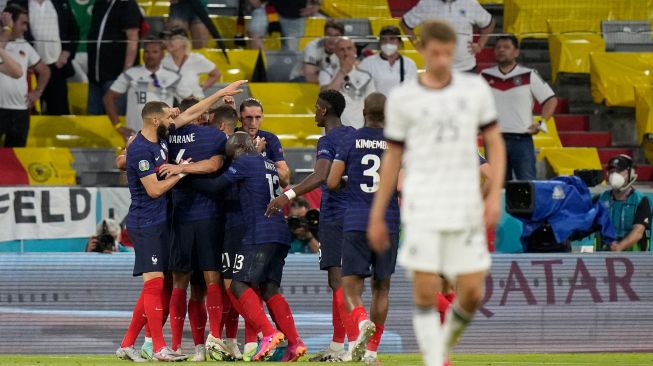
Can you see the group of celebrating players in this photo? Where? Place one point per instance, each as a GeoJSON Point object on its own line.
{"type": "Point", "coordinates": [207, 207]}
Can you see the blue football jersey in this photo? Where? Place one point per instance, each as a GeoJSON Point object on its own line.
{"type": "Point", "coordinates": [258, 184]}
{"type": "Point", "coordinates": [333, 204]}
{"type": "Point", "coordinates": [198, 143]}
{"type": "Point", "coordinates": [233, 215]}
{"type": "Point", "coordinates": [273, 148]}
{"type": "Point", "coordinates": [144, 158]}
{"type": "Point", "coordinates": [361, 152]}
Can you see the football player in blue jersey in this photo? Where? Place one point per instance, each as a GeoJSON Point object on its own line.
{"type": "Point", "coordinates": [329, 107]}
{"type": "Point", "coordinates": [359, 158]}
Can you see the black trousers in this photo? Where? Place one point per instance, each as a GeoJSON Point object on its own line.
{"type": "Point", "coordinates": [14, 126]}
{"type": "Point", "coordinates": [54, 100]}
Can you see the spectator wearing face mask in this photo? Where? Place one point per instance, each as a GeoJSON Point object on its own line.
{"type": "Point", "coordinates": [389, 68]}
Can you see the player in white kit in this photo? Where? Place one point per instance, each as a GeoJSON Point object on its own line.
{"type": "Point", "coordinates": [431, 128]}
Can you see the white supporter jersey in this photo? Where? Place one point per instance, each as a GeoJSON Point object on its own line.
{"type": "Point", "coordinates": [386, 76]}
{"type": "Point", "coordinates": [357, 86]}
{"type": "Point", "coordinates": [438, 128]}
{"type": "Point", "coordinates": [13, 92]}
{"type": "Point", "coordinates": [190, 72]}
{"type": "Point", "coordinates": [314, 54]}
{"type": "Point", "coordinates": [141, 87]}
{"type": "Point", "coordinates": [463, 15]}
{"type": "Point", "coordinates": [514, 93]}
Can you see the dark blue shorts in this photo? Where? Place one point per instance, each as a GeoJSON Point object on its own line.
{"type": "Point", "coordinates": [260, 263]}
{"type": "Point", "coordinates": [196, 246]}
{"type": "Point", "coordinates": [151, 248]}
{"type": "Point", "coordinates": [359, 260]}
{"type": "Point", "coordinates": [330, 234]}
{"type": "Point", "coordinates": [233, 237]}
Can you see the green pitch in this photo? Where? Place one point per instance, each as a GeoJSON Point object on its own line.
{"type": "Point", "coordinates": [591, 359]}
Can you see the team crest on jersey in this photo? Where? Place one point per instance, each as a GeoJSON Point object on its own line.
{"type": "Point", "coordinates": [517, 80]}
{"type": "Point", "coordinates": [155, 260]}
{"type": "Point", "coordinates": [143, 165]}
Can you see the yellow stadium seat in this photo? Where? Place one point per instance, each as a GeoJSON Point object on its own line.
{"type": "Point", "coordinates": [615, 75]}
{"type": "Point", "coordinates": [549, 138]}
{"type": "Point", "coordinates": [570, 53]}
{"type": "Point", "coordinates": [356, 9]}
{"type": "Point", "coordinates": [286, 98]}
{"type": "Point", "coordinates": [564, 160]}
{"type": "Point", "coordinates": [290, 140]}
{"type": "Point", "coordinates": [47, 165]}
{"type": "Point", "coordinates": [304, 41]}
{"type": "Point", "coordinates": [314, 27]}
{"type": "Point", "coordinates": [78, 98]}
{"type": "Point", "coordinates": [227, 26]}
{"type": "Point", "coordinates": [527, 18]}
{"type": "Point", "coordinates": [158, 8]}
{"type": "Point", "coordinates": [301, 126]}
{"type": "Point", "coordinates": [643, 112]}
{"type": "Point", "coordinates": [240, 66]}
{"type": "Point", "coordinates": [73, 131]}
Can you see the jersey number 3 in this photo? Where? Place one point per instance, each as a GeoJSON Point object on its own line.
{"type": "Point", "coordinates": [372, 172]}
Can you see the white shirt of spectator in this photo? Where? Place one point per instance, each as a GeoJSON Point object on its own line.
{"type": "Point", "coordinates": [13, 92]}
{"type": "Point", "coordinates": [140, 87]}
{"type": "Point", "coordinates": [44, 24]}
{"type": "Point", "coordinates": [386, 76]}
{"type": "Point", "coordinates": [438, 128]}
{"type": "Point", "coordinates": [463, 15]}
{"type": "Point", "coordinates": [514, 93]}
{"type": "Point", "coordinates": [190, 72]}
{"type": "Point", "coordinates": [358, 85]}
{"type": "Point", "coordinates": [314, 54]}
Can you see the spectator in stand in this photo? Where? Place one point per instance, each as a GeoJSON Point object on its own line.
{"type": "Point", "coordinates": [302, 239]}
{"type": "Point", "coordinates": [292, 14]}
{"type": "Point", "coordinates": [51, 22]}
{"type": "Point", "coordinates": [142, 84]}
{"type": "Point", "coordinates": [389, 68]}
{"type": "Point", "coordinates": [629, 209]}
{"type": "Point", "coordinates": [107, 238]}
{"type": "Point", "coordinates": [355, 84]}
{"type": "Point", "coordinates": [258, 24]}
{"type": "Point", "coordinates": [112, 49]}
{"type": "Point", "coordinates": [319, 54]}
{"type": "Point", "coordinates": [514, 87]}
{"type": "Point", "coordinates": [189, 65]}
{"type": "Point", "coordinates": [82, 12]}
{"type": "Point", "coordinates": [8, 65]}
{"type": "Point", "coordinates": [182, 15]}
{"type": "Point", "coordinates": [15, 101]}
{"type": "Point", "coordinates": [463, 15]}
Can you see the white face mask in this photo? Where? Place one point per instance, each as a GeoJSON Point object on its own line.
{"type": "Point", "coordinates": [616, 180]}
{"type": "Point", "coordinates": [389, 49]}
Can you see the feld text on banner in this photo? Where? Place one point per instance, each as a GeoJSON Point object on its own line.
{"type": "Point", "coordinates": [45, 213]}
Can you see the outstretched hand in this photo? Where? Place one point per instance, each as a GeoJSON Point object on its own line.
{"type": "Point", "coordinates": [276, 205]}
{"type": "Point", "coordinates": [233, 88]}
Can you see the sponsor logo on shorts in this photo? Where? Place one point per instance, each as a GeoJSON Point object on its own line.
{"type": "Point", "coordinates": [144, 165]}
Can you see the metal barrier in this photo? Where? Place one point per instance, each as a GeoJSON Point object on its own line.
{"type": "Point", "coordinates": [81, 303]}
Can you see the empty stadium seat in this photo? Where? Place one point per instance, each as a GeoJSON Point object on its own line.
{"type": "Point", "coordinates": [73, 131]}
{"type": "Point", "coordinates": [281, 64]}
{"type": "Point", "coordinates": [240, 65]}
{"type": "Point", "coordinates": [157, 24]}
{"type": "Point", "coordinates": [286, 98]}
{"type": "Point", "coordinates": [78, 98]}
{"type": "Point", "coordinates": [301, 126]}
{"type": "Point", "coordinates": [356, 27]}
{"type": "Point", "coordinates": [314, 26]}
{"type": "Point", "coordinates": [158, 8]}
{"type": "Point", "coordinates": [239, 98]}
{"type": "Point", "coordinates": [301, 162]}
{"type": "Point", "coordinates": [96, 167]}
{"type": "Point", "coordinates": [627, 36]}
{"type": "Point", "coordinates": [356, 9]}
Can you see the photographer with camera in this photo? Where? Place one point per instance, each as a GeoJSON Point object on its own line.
{"type": "Point", "coordinates": [303, 223]}
{"type": "Point", "coordinates": [630, 211]}
{"type": "Point", "coordinates": [106, 238]}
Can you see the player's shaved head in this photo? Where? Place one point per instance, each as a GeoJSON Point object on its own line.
{"type": "Point", "coordinates": [238, 144]}
{"type": "Point", "coordinates": [374, 109]}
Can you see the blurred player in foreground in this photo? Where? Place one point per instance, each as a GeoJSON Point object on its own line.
{"type": "Point", "coordinates": [431, 126]}
{"type": "Point", "coordinates": [359, 158]}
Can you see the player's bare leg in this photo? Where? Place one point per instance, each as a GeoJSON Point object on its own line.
{"type": "Point", "coordinates": [353, 290]}
{"type": "Point", "coordinates": [378, 315]}
{"type": "Point", "coordinates": [178, 307]}
{"type": "Point", "coordinates": [282, 315]}
{"type": "Point", "coordinates": [214, 344]}
{"type": "Point", "coordinates": [469, 294]}
{"type": "Point", "coordinates": [198, 317]}
{"type": "Point", "coordinates": [426, 321]}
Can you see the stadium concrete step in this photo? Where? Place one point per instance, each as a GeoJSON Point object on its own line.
{"type": "Point", "coordinates": [606, 153]}
{"type": "Point", "coordinates": [572, 122]}
{"type": "Point", "coordinates": [561, 108]}
{"type": "Point", "coordinates": [585, 139]}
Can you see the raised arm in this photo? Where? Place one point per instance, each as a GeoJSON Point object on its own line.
{"type": "Point", "coordinates": [196, 110]}
{"type": "Point", "coordinates": [377, 230]}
